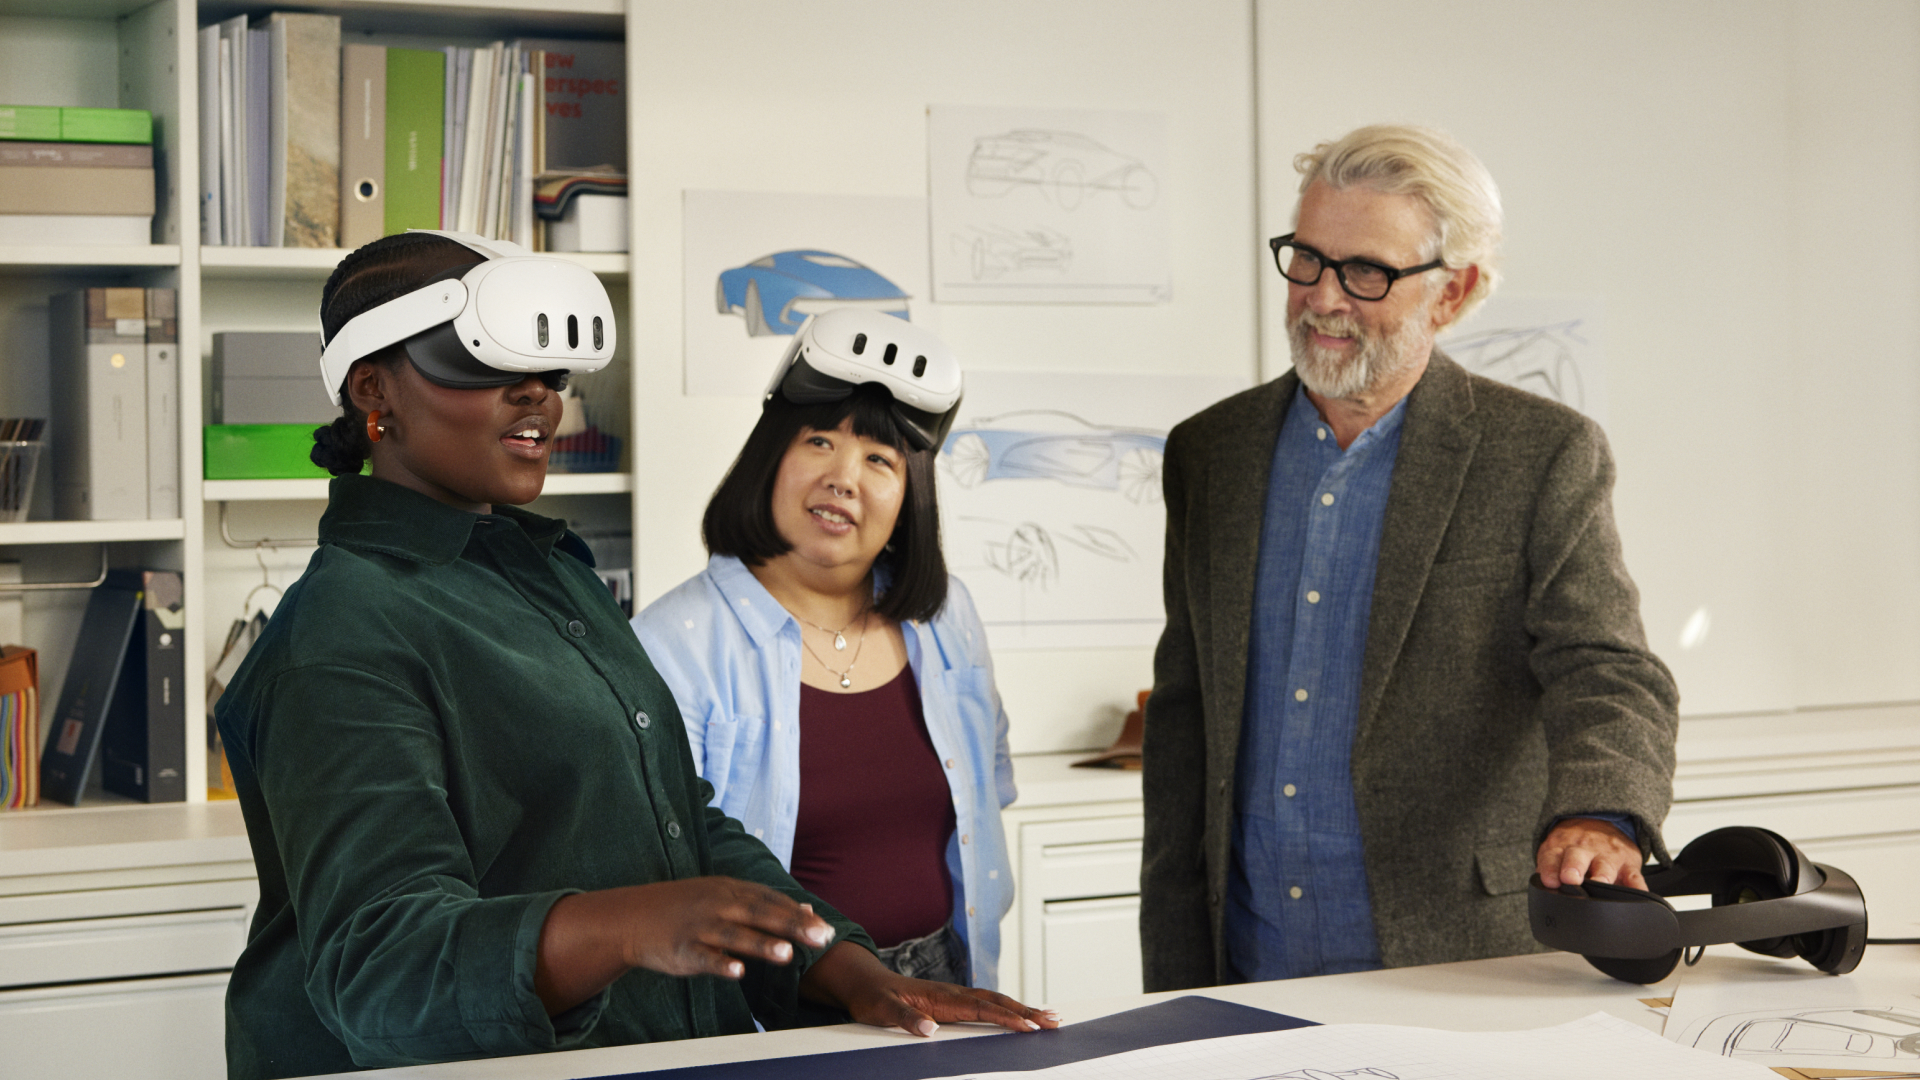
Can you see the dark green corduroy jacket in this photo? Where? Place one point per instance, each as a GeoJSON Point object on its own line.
{"type": "Point", "coordinates": [447, 726]}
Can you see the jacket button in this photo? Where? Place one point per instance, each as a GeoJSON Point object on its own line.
{"type": "Point", "coordinates": [641, 718]}
{"type": "Point", "coordinates": [673, 829]}
{"type": "Point", "coordinates": [577, 628]}
{"type": "Point", "coordinates": [1223, 787]}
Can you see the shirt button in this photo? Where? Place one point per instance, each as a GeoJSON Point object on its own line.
{"type": "Point", "coordinates": [1312, 597]}
{"type": "Point", "coordinates": [1288, 791]}
{"type": "Point", "coordinates": [1322, 433]}
{"type": "Point", "coordinates": [969, 913]}
{"type": "Point", "coordinates": [643, 720]}
{"type": "Point", "coordinates": [577, 628]}
{"type": "Point", "coordinates": [949, 763]}
{"type": "Point", "coordinates": [964, 838]}
{"type": "Point", "coordinates": [758, 833]}
{"type": "Point", "coordinates": [673, 830]}
{"type": "Point", "coordinates": [1299, 695]}
{"type": "Point", "coordinates": [1295, 892]}
{"type": "Point", "coordinates": [1326, 499]}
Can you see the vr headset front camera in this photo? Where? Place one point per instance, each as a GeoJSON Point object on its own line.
{"type": "Point", "coordinates": [493, 323]}
{"type": "Point", "coordinates": [1767, 896]}
{"type": "Point", "coordinates": [835, 351]}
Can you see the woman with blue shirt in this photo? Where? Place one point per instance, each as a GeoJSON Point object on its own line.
{"type": "Point", "coordinates": [835, 680]}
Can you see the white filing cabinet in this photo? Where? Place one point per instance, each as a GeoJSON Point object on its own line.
{"type": "Point", "coordinates": [1843, 784]}
{"type": "Point", "coordinates": [1074, 931]}
{"type": "Point", "coordinates": [118, 926]}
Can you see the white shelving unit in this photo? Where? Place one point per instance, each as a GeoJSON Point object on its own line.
{"type": "Point", "coordinates": [177, 881]}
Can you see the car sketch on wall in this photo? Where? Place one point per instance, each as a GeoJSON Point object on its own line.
{"type": "Point", "coordinates": [776, 293]}
{"type": "Point", "coordinates": [995, 250]}
{"type": "Point", "coordinates": [1049, 444]}
{"type": "Point", "coordinates": [1062, 165]}
{"type": "Point", "coordinates": [1535, 358]}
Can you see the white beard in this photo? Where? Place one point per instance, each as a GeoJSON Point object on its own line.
{"type": "Point", "coordinates": [1376, 359]}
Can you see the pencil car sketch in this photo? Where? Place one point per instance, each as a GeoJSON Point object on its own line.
{"type": "Point", "coordinates": [996, 250]}
{"type": "Point", "coordinates": [1323, 1074]}
{"type": "Point", "coordinates": [775, 293]}
{"type": "Point", "coordinates": [1050, 444]}
{"type": "Point", "coordinates": [1536, 358]}
{"type": "Point", "coordinates": [1030, 555]}
{"type": "Point", "coordinates": [1061, 165]}
{"type": "Point", "coordinates": [1857, 1034]}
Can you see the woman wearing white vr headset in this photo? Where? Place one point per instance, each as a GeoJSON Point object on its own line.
{"type": "Point", "coordinates": [476, 823]}
{"type": "Point", "coordinates": [835, 680]}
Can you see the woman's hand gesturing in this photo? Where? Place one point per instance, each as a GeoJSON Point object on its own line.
{"type": "Point", "coordinates": [698, 926]}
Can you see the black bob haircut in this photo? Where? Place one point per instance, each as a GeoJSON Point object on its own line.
{"type": "Point", "coordinates": [739, 517]}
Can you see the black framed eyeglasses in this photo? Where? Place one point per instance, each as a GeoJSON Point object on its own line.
{"type": "Point", "coordinates": [1363, 279]}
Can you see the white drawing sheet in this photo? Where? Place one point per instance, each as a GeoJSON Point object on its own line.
{"type": "Point", "coordinates": [757, 264]}
{"type": "Point", "coordinates": [1050, 502]}
{"type": "Point", "coordinates": [1598, 1047]}
{"type": "Point", "coordinates": [1549, 345]}
{"type": "Point", "coordinates": [1785, 1014]}
{"type": "Point", "coordinates": [1048, 205]}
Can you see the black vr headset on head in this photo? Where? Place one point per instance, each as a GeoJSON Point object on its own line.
{"type": "Point", "coordinates": [1767, 895]}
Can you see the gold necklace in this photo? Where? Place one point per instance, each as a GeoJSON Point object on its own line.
{"type": "Point", "coordinates": [846, 676]}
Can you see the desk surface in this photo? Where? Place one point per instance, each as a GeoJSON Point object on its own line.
{"type": "Point", "coordinates": [1480, 995]}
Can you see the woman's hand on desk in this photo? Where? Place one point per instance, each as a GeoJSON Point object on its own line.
{"type": "Point", "coordinates": [698, 926]}
{"type": "Point", "coordinates": [855, 980]}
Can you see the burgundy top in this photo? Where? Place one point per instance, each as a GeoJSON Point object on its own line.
{"type": "Point", "coordinates": [875, 812]}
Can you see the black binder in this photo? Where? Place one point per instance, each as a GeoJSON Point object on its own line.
{"type": "Point", "coordinates": [99, 653]}
{"type": "Point", "coordinates": [143, 753]}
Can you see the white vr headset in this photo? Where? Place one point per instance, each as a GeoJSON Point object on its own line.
{"type": "Point", "coordinates": [835, 351]}
{"type": "Point", "coordinates": [489, 324]}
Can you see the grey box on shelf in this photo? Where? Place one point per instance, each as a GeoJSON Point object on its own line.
{"type": "Point", "coordinates": [261, 377]}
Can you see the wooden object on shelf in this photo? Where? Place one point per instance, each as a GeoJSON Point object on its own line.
{"type": "Point", "coordinates": [1125, 751]}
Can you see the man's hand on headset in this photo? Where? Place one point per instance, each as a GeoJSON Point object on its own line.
{"type": "Point", "coordinates": [1588, 849]}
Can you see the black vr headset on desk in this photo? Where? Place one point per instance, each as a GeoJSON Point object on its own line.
{"type": "Point", "coordinates": [1767, 895]}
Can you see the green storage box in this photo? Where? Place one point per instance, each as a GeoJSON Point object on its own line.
{"type": "Point", "coordinates": [260, 452]}
{"type": "Point", "coordinates": [106, 125]}
{"type": "Point", "coordinates": [36, 123]}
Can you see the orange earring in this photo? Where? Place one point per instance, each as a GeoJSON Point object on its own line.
{"type": "Point", "coordinates": [374, 430]}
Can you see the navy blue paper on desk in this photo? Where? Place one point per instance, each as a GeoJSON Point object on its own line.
{"type": "Point", "coordinates": [1183, 1019]}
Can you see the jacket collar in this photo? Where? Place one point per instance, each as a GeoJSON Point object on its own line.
{"type": "Point", "coordinates": [365, 514]}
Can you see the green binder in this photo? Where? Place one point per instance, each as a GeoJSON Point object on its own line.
{"type": "Point", "coordinates": [416, 87]}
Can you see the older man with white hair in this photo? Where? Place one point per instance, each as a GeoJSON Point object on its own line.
{"type": "Point", "coordinates": [1403, 667]}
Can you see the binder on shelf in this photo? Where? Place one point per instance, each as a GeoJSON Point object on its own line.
{"type": "Point", "coordinates": [98, 364]}
{"type": "Point", "coordinates": [163, 405]}
{"type": "Point", "coordinates": [303, 136]}
{"type": "Point", "coordinates": [415, 122]}
{"type": "Point", "coordinates": [61, 123]}
{"type": "Point", "coordinates": [363, 144]}
{"type": "Point", "coordinates": [212, 214]}
{"type": "Point", "coordinates": [19, 727]}
{"type": "Point", "coordinates": [80, 717]}
{"type": "Point", "coordinates": [143, 747]}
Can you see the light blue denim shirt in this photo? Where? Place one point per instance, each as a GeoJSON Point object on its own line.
{"type": "Point", "coordinates": [731, 655]}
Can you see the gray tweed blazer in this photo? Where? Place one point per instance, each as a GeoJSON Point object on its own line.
{"type": "Point", "coordinates": [1506, 681]}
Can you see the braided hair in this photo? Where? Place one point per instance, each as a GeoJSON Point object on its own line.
{"type": "Point", "coordinates": [389, 267]}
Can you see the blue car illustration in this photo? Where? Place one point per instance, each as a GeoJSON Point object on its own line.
{"type": "Point", "coordinates": [1051, 445]}
{"type": "Point", "coordinates": [776, 293]}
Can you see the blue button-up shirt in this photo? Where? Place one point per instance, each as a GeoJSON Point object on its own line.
{"type": "Point", "coordinates": [731, 655]}
{"type": "Point", "coordinates": [1297, 898]}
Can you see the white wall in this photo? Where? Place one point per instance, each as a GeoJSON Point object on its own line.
{"type": "Point", "coordinates": [1713, 172]}
{"type": "Point", "coordinates": [831, 97]}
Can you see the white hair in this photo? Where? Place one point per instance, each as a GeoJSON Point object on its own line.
{"type": "Point", "coordinates": [1457, 190]}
